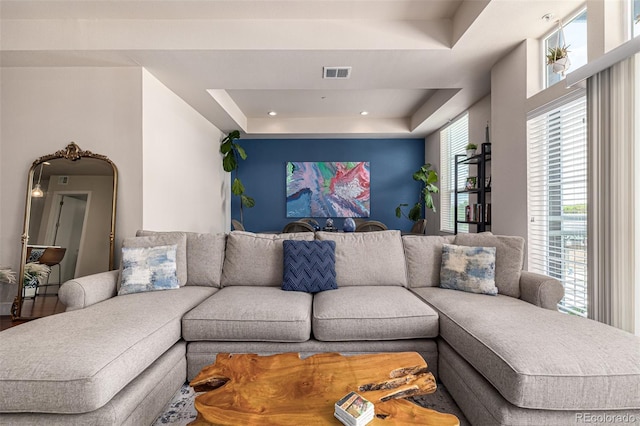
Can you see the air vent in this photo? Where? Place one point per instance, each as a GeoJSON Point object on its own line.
{"type": "Point", "coordinates": [336, 72]}
{"type": "Point", "coordinates": [63, 180]}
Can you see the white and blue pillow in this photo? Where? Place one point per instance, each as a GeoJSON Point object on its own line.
{"type": "Point", "coordinates": [148, 269]}
{"type": "Point", "coordinates": [309, 266]}
{"type": "Point", "coordinates": [471, 269]}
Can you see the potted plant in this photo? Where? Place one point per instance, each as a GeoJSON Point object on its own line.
{"type": "Point", "coordinates": [428, 179]}
{"type": "Point", "coordinates": [558, 58]}
{"type": "Point", "coordinates": [232, 153]}
{"type": "Point", "coordinates": [471, 149]}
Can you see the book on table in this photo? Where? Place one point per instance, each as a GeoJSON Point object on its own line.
{"type": "Point", "coordinates": [354, 410]}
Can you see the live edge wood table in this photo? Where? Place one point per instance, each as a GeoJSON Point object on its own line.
{"type": "Point", "coordinates": [249, 389]}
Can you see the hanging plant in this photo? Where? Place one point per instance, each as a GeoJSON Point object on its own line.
{"type": "Point", "coordinates": [558, 56]}
{"type": "Point", "coordinates": [232, 154]}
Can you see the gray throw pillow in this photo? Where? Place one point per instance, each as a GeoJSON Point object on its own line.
{"type": "Point", "coordinates": [148, 269]}
{"type": "Point", "coordinates": [180, 241]}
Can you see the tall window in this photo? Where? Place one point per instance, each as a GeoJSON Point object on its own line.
{"type": "Point", "coordinates": [453, 140]}
{"type": "Point", "coordinates": [575, 37]}
{"type": "Point", "coordinates": [557, 199]}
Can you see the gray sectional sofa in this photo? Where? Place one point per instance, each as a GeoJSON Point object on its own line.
{"type": "Point", "coordinates": [508, 359]}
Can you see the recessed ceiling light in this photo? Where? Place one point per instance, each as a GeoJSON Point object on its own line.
{"type": "Point", "coordinates": [364, 112]}
{"type": "Point", "coordinates": [273, 113]}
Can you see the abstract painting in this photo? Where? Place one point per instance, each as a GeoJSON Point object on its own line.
{"type": "Point", "coordinates": [328, 189]}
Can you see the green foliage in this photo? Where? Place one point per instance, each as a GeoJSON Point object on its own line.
{"type": "Point", "coordinates": [471, 146]}
{"type": "Point", "coordinates": [575, 209]}
{"type": "Point", "coordinates": [232, 152]}
{"type": "Point", "coordinates": [428, 179]}
{"type": "Point", "coordinates": [555, 53]}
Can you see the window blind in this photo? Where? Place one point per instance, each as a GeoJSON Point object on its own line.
{"type": "Point", "coordinates": [453, 140]}
{"type": "Point", "coordinates": [557, 199]}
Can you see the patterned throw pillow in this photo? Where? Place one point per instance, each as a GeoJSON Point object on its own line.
{"type": "Point", "coordinates": [471, 269]}
{"type": "Point", "coordinates": [309, 266]}
{"type": "Point", "coordinates": [148, 269]}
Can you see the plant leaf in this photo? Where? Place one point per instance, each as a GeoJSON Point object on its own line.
{"type": "Point", "coordinates": [225, 147]}
{"type": "Point", "coordinates": [229, 162]}
{"type": "Point", "coordinates": [240, 151]}
{"type": "Point", "coordinates": [398, 212]}
{"type": "Point", "coordinates": [432, 177]}
{"type": "Point", "coordinates": [236, 187]}
{"type": "Point", "coordinates": [416, 212]}
{"type": "Point", "coordinates": [246, 201]}
{"type": "Point", "coordinates": [428, 202]}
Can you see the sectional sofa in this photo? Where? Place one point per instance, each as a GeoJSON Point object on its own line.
{"type": "Point", "coordinates": [509, 358]}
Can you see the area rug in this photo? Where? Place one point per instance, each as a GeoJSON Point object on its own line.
{"type": "Point", "coordinates": [180, 410]}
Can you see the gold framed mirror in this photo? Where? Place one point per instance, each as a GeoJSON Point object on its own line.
{"type": "Point", "coordinates": [69, 226]}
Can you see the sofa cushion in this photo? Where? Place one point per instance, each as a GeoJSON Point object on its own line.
{"type": "Point", "coordinates": [470, 269]}
{"type": "Point", "coordinates": [148, 269]}
{"type": "Point", "coordinates": [423, 254]}
{"type": "Point", "coordinates": [537, 358]}
{"type": "Point", "coordinates": [509, 258]}
{"type": "Point", "coordinates": [180, 240]}
{"type": "Point", "coordinates": [205, 255]}
{"type": "Point", "coordinates": [96, 352]}
{"type": "Point", "coordinates": [256, 259]}
{"type": "Point", "coordinates": [309, 266]}
{"type": "Point", "coordinates": [244, 313]}
{"type": "Point", "coordinates": [372, 313]}
{"type": "Point", "coordinates": [368, 258]}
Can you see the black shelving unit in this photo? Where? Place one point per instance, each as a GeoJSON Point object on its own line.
{"type": "Point", "coordinates": [478, 214]}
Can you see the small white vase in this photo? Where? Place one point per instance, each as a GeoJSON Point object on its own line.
{"type": "Point", "coordinates": [471, 152]}
{"type": "Point", "coordinates": [560, 66]}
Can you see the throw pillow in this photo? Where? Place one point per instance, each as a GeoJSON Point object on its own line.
{"type": "Point", "coordinates": [309, 266]}
{"type": "Point", "coordinates": [509, 258]}
{"type": "Point", "coordinates": [180, 240]}
{"type": "Point", "coordinates": [471, 269]}
{"type": "Point", "coordinates": [148, 269]}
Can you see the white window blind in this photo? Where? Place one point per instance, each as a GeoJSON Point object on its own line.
{"type": "Point", "coordinates": [557, 199]}
{"type": "Point", "coordinates": [453, 140]}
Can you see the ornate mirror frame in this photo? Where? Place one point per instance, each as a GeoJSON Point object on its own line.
{"type": "Point", "coordinates": [73, 153]}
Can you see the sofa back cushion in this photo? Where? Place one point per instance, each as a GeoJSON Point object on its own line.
{"type": "Point", "coordinates": [256, 259]}
{"type": "Point", "coordinates": [368, 258]}
{"type": "Point", "coordinates": [205, 256]}
{"type": "Point", "coordinates": [423, 254]}
{"type": "Point", "coordinates": [509, 258]}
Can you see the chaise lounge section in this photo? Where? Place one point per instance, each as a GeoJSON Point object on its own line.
{"type": "Point", "coordinates": [507, 359]}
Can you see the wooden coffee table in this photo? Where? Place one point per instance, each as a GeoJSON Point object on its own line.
{"type": "Point", "coordinates": [283, 389]}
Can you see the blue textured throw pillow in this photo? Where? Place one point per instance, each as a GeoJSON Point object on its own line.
{"type": "Point", "coordinates": [148, 269]}
{"type": "Point", "coordinates": [309, 266]}
{"type": "Point", "coordinates": [471, 269]}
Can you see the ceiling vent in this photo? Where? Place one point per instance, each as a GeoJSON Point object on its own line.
{"type": "Point", "coordinates": [336, 72]}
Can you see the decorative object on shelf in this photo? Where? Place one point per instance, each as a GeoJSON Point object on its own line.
{"type": "Point", "coordinates": [471, 149]}
{"type": "Point", "coordinates": [34, 274]}
{"type": "Point", "coordinates": [472, 182]}
{"type": "Point", "coordinates": [349, 225]}
{"type": "Point", "coordinates": [328, 225]}
{"type": "Point", "coordinates": [558, 56]}
{"type": "Point", "coordinates": [328, 189]}
{"type": "Point", "coordinates": [232, 154]}
{"type": "Point", "coordinates": [428, 179]}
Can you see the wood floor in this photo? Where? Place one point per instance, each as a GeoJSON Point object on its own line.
{"type": "Point", "coordinates": [39, 306]}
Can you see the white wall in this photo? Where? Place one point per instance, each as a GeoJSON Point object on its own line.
{"type": "Point", "coordinates": [509, 144]}
{"type": "Point", "coordinates": [183, 180]}
{"type": "Point", "coordinates": [42, 110]}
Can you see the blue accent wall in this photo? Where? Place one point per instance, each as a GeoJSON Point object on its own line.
{"type": "Point", "coordinates": [263, 173]}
